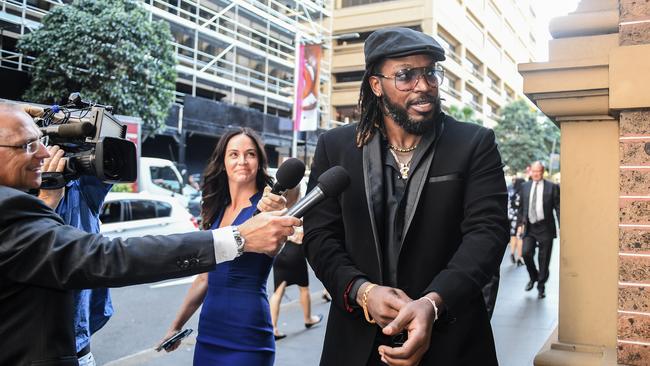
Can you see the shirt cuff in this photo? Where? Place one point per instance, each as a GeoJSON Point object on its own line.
{"type": "Point", "coordinates": [225, 246]}
{"type": "Point", "coordinates": [351, 296]}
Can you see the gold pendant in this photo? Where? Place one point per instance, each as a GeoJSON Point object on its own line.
{"type": "Point", "coordinates": [404, 171]}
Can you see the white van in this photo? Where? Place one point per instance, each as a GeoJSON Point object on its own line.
{"type": "Point", "coordinates": [160, 177]}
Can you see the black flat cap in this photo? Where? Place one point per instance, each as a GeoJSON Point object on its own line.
{"type": "Point", "coordinates": [399, 42]}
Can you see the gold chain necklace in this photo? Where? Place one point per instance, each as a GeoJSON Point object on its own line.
{"type": "Point", "coordinates": [402, 149]}
{"type": "Point", "coordinates": [403, 167]}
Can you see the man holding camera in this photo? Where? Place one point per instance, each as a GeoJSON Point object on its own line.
{"type": "Point", "coordinates": [79, 204]}
{"type": "Point", "coordinates": [41, 259]}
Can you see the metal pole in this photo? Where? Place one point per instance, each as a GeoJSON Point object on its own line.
{"type": "Point", "coordinates": [296, 78]}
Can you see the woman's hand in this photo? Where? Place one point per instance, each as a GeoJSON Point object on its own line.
{"type": "Point", "coordinates": [174, 346]}
{"type": "Point", "coordinates": [271, 202]}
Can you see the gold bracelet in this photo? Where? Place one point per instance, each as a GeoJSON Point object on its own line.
{"type": "Point", "coordinates": [364, 302]}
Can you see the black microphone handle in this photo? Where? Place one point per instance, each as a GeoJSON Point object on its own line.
{"type": "Point", "coordinates": [277, 189]}
{"type": "Point", "coordinates": [310, 200]}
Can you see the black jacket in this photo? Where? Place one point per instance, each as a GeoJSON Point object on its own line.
{"type": "Point", "coordinates": [455, 234]}
{"type": "Point", "coordinates": [550, 201]}
{"type": "Point", "coordinates": [41, 260]}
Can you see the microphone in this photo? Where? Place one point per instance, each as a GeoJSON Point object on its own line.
{"type": "Point", "coordinates": [288, 176]}
{"type": "Point", "coordinates": [70, 130]}
{"type": "Point", "coordinates": [330, 184]}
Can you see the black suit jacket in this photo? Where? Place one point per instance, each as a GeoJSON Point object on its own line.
{"type": "Point", "coordinates": [41, 260]}
{"type": "Point", "coordinates": [456, 230]}
{"type": "Point", "coordinates": [550, 200]}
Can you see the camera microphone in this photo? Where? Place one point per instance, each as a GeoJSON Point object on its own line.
{"type": "Point", "coordinates": [70, 130]}
{"type": "Point", "coordinates": [330, 184]}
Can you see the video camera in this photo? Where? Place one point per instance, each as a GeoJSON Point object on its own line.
{"type": "Point", "coordinates": [93, 140]}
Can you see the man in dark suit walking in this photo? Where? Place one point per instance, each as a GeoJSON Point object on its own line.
{"type": "Point", "coordinates": [41, 259]}
{"type": "Point", "coordinates": [538, 200]}
{"type": "Point", "coordinates": [406, 249]}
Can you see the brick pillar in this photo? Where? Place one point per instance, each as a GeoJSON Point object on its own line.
{"type": "Point", "coordinates": [634, 233]}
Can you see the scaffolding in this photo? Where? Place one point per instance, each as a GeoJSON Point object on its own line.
{"type": "Point", "coordinates": [240, 51]}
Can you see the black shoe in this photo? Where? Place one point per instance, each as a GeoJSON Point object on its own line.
{"type": "Point", "coordinates": [520, 262]}
{"type": "Point", "coordinates": [279, 336]}
{"type": "Point", "coordinates": [512, 258]}
{"type": "Point", "coordinates": [541, 294]}
{"type": "Point", "coordinates": [309, 325]}
{"type": "Point", "coordinates": [529, 285]}
{"type": "Point", "coordinates": [326, 297]}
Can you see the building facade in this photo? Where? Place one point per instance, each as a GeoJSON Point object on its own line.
{"type": "Point", "coordinates": [236, 61]}
{"type": "Point", "coordinates": [484, 41]}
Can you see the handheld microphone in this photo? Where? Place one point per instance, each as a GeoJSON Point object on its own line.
{"type": "Point", "coordinates": [288, 176]}
{"type": "Point", "coordinates": [330, 184]}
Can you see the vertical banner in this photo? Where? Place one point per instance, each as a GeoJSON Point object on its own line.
{"type": "Point", "coordinates": [308, 85]}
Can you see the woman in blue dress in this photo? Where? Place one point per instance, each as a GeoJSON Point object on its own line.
{"type": "Point", "coordinates": [235, 323]}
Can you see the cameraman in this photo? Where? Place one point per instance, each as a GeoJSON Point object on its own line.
{"type": "Point", "coordinates": [41, 259]}
{"type": "Point", "coordinates": [79, 205]}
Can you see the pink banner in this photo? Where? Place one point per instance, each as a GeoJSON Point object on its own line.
{"type": "Point", "coordinates": [306, 107]}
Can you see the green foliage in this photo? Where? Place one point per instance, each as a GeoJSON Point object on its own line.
{"type": "Point", "coordinates": [122, 187]}
{"type": "Point", "coordinates": [109, 51]}
{"type": "Point", "coordinates": [465, 114]}
{"type": "Point", "coordinates": [525, 136]}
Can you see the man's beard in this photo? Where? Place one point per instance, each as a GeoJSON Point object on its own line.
{"type": "Point", "coordinates": [401, 117]}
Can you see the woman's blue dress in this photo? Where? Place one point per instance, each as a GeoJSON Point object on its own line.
{"type": "Point", "coordinates": [235, 324]}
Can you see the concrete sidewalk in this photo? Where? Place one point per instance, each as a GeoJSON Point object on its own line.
{"type": "Point", "coordinates": [521, 324]}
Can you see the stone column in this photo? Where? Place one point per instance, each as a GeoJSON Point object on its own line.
{"type": "Point", "coordinates": [596, 87]}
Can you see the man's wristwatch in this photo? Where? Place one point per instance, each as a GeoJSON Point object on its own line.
{"type": "Point", "coordinates": [239, 239]}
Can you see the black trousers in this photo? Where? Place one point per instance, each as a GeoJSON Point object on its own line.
{"type": "Point", "coordinates": [537, 236]}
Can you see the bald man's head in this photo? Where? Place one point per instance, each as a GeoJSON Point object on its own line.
{"type": "Point", "coordinates": [21, 169]}
{"type": "Point", "coordinates": [7, 121]}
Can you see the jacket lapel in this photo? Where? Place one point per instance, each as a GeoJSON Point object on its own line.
{"type": "Point", "coordinates": [374, 188]}
{"type": "Point", "coordinates": [419, 178]}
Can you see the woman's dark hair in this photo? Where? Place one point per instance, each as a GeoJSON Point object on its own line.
{"type": "Point", "coordinates": [216, 193]}
{"type": "Point", "coordinates": [370, 108]}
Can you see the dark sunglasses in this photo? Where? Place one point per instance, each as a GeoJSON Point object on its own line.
{"type": "Point", "coordinates": [406, 80]}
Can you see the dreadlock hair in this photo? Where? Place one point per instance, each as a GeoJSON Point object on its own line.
{"type": "Point", "coordinates": [370, 108]}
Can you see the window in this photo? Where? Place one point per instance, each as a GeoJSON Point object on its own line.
{"type": "Point", "coordinates": [165, 177]}
{"type": "Point", "coordinates": [450, 84]}
{"type": "Point", "coordinates": [349, 3]}
{"type": "Point", "coordinates": [449, 44]}
{"type": "Point", "coordinates": [474, 65]}
{"type": "Point", "coordinates": [494, 82]}
{"type": "Point", "coordinates": [510, 94]}
{"type": "Point", "coordinates": [111, 212]}
{"type": "Point", "coordinates": [163, 209]}
{"type": "Point", "coordinates": [347, 114]}
{"type": "Point", "coordinates": [142, 210]}
{"type": "Point", "coordinates": [344, 77]}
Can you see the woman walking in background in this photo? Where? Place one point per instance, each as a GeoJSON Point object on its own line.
{"type": "Point", "coordinates": [290, 268]}
{"type": "Point", "coordinates": [235, 323]}
{"type": "Point", "coordinates": [516, 243]}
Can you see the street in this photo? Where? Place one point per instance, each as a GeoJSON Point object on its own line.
{"type": "Point", "coordinates": [521, 323]}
